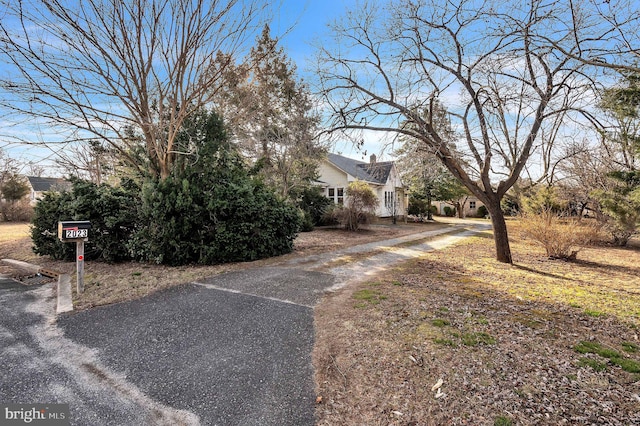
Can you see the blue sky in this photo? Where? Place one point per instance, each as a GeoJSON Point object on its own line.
{"type": "Point", "coordinates": [299, 23]}
{"type": "Point", "coordinates": [307, 24]}
{"type": "Point", "coordinates": [307, 20]}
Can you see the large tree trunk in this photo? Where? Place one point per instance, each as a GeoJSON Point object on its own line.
{"type": "Point", "coordinates": [503, 250]}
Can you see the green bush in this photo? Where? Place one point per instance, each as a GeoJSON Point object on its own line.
{"type": "Point", "coordinates": [418, 206]}
{"type": "Point", "coordinates": [482, 211]}
{"type": "Point", "coordinates": [220, 216]}
{"type": "Point", "coordinates": [51, 209]}
{"type": "Point", "coordinates": [14, 207]}
{"type": "Point", "coordinates": [620, 204]}
{"type": "Point", "coordinates": [448, 211]}
{"type": "Point", "coordinates": [542, 201]}
{"type": "Point", "coordinates": [307, 222]}
{"type": "Point", "coordinates": [211, 210]}
{"type": "Point", "coordinates": [314, 204]}
{"type": "Point", "coordinates": [330, 216]}
{"type": "Point", "coordinates": [16, 211]}
{"type": "Point", "coordinates": [510, 206]}
{"type": "Point", "coordinates": [111, 211]}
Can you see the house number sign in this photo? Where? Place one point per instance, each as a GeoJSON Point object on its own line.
{"type": "Point", "coordinates": [76, 232]}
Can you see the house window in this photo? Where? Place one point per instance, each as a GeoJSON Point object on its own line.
{"type": "Point", "coordinates": [336, 195]}
{"type": "Point", "coordinates": [472, 205]}
{"type": "Point", "coordinates": [388, 199]}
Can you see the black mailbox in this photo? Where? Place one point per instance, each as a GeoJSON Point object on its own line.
{"type": "Point", "coordinates": [74, 230]}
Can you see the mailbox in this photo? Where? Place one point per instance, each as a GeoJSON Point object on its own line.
{"type": "Point", "coordinates": [74, 230]}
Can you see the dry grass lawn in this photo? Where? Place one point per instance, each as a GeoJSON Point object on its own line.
{"type": "Point", "coordinates": [106, 283]}
{"type": "Point", "coordinates": [453, 338]}
{"type": "Point", "coordinates": [456, 338]}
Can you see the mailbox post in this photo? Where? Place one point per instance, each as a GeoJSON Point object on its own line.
{"type": "Point", "coordinates": [78, 232]}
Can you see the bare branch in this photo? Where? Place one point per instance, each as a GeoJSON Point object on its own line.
{"type": "Point", "coordinates": [490, 64]}
{"type": "Point", "coordinates": [98, 68]}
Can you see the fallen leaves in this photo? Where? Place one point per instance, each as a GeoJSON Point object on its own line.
{"type": "Point", "coordinates": [525, 322]}
{"type": "Point", "coordinates": [437, 389]}
{"type": "Point", "coordinates": [437, 385]}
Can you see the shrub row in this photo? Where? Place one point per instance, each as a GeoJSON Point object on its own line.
{"type": "Point", "coordinates": [210, 210]}
{"type": "Point", "coordinates": [173, 222]}
{"type": "Point", "coordinates": [111, 210]}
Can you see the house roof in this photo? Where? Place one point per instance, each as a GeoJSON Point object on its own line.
{"type": "Point", "coordinates": [43, 184]}
{"type": "Point", "coordinates": [377, 172]}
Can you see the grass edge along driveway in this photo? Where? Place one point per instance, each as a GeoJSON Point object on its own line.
{"type": "Point", "coordinates": [458, 338]}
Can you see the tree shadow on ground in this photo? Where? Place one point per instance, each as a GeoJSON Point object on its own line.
{"type": "Point", "coordinates": [617, 268]}
{"type": "Point", "coordinates": [544, 274]}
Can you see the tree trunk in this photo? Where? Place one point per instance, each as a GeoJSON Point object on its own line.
{"type": "Point", "coordinates": [503, 250]}
{"type": "Point", "coordinates": [165, 170]}
{"type": "Point", "coordinates": [581, 210]}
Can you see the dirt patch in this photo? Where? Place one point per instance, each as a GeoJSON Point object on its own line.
{"type": "Point", "coordinates": [457, 338]}
{"type": "Point", "coordinates": [326, 239]}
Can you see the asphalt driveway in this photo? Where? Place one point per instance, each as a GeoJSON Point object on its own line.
{"type": "Point", "coordinates": [39, 365]}
{"type": "Point", "coordinates": [228, 357]}
{"type": "Point", "coordinates": [234, 349]}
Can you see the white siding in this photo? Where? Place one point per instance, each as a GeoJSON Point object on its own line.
{"type": "Point", "coordinates": [468, 211]}
{"type": "Point", "coordinates": [394, 185]}
{"type": "Point", "coordinates": [333, 177]}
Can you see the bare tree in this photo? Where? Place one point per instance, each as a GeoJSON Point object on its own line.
{"type": "Point", "coordinates": [94, 161]}
{"type": "Point", "coordinates": [102, 67]}
{"type": "Point", "coordinates": [585, 171]}
{"type": "Point", "coordinates": [603, 33]}
{"type": "Point", "coordinates": [422, 169]}
{"type": "Point", "coordinates": [9, 167]}
{"type": "Point", "coordinates": [35, 169]}
{"type": "Point", "coordinates": [501, 83]}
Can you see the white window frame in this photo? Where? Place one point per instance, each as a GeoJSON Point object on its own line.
{"type": "Point", "coordinates": [336, 194]}
{"type": "Point", "coordinates": [389, 199]}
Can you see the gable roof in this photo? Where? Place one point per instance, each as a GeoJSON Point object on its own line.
{"type": "Point", "coordinates": [377, 172]}
{"type": "Point", "coordinates": [43, 184]}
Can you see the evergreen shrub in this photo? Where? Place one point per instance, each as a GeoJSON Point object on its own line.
{"type": "Point", "coordinates": [111, 211]}
{"type": "Point", "coordinates": [314, 205]}
{"type": "Point", "coordinates": [211, 210]}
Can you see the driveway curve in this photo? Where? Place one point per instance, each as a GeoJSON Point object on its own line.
{"type": "Point", "coordinates": [234, 349]}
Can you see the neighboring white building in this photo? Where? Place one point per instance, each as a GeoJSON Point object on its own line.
{"type": "Point", "coordinates": [39, 185]}
{"type": "Point", "coordinates": [470, 207]}
{"type": "Point", "coordinates": [336, 172]}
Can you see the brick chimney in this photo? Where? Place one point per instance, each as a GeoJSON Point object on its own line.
{"type": "Point", "coordinates": [372, 159]}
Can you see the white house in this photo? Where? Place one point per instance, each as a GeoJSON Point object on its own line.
{"type": "Point", "coordinates": [336, 172]}
{"type": "Point", "coordinates": [39, 185]}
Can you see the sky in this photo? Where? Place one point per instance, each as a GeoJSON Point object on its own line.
{"type": "Point", "coordinates": [298, 23]}
{"type": "Point", "coordinates": [303, 24]}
